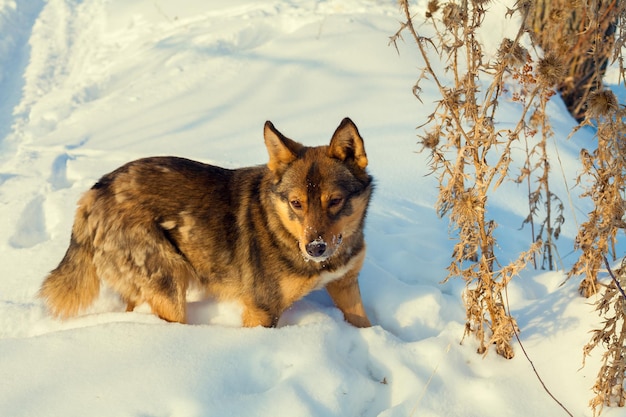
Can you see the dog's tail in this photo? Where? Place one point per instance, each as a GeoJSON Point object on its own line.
{"type": "Point", "coordinates": [74, 284]}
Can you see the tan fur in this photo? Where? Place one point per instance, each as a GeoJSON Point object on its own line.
{"type": "Point", "coordinates": [265, 236]}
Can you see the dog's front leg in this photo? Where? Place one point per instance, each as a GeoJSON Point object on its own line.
{"type": "Point", "coordinates": [256, 316]}
{"type": "Point", "coordinates": [347, 297]}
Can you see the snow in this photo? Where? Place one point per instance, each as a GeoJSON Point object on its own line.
{"type": "Point", "coordinates": [88, 85]}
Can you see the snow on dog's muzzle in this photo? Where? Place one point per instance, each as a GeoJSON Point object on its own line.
{"type": "Point", "coordinates": [316, 249]}
{"type": "Point", "coordinates": [319, 250]}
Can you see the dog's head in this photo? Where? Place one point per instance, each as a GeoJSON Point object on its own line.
{"type": "Point", "coordinates": [321, 193]}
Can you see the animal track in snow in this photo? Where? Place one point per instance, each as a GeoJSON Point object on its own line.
{"type": "Point", "coordinates": [58, 177]}
{"type": "Point", "coordinates": [31, 226]}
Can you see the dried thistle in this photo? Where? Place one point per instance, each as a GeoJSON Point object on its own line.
{"type": "Point", "coordinates": [432, 8]}
{"type": "Point", "coordinates": [605, 168]}
{"type": "Point", "coordinates": [470, 204]}
{"type": "Point", "coordinates": [481, 3]}
{"type": "Point", "coordinates": [465, 122]}
{"type": "Point", "coordinates": [431, 139]}
{"type": "Point", "coordinates": [601, 103]}
{"type": "Point", "coordinates": [453, 16]}
{"type": "Point", "coordinates": [550, 70]}
{"type": "Point", "coordinates": [609, 386]}
{"type": "Point", "coordinates": [512, 53]}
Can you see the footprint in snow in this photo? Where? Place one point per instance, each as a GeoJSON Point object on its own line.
{"type": "Point", "coordinates": [31, 226]}
{"type": "Point", "coordinates": [58, 177]}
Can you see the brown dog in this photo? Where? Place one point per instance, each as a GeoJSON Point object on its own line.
{"type": "Point", "coordinates": [265, 236]}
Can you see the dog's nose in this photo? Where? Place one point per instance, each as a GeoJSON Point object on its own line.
{"type": "Point", "coordinates": [316, 248]}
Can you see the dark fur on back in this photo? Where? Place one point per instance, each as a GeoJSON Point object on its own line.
{"type": "Point", "coordinates": [155, 226]}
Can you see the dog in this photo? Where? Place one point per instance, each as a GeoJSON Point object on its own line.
{"type": "Point", "coordinates": [263, 236]}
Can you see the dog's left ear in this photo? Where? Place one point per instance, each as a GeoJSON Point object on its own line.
{"type": "Point", "coordinates": [347, 143]}
{"type": "Point", "coordinates": [281, 149]}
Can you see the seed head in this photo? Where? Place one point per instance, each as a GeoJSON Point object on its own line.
{"type": "Point", "coordinates": [453, 16]}
{"type": "Point", "coordinates": [431, 140]}
{"type": "Point", "coordinates": [601, 103]}
{"type": "Point", "coordinates": [511, 53]}
{"type": "Point", "coordinates": [550, 70]}
{"type": "Point", "coordinates": [432, 8]}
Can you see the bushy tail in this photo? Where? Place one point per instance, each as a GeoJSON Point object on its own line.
{"type": "Point", "coordinates": [74, 284]}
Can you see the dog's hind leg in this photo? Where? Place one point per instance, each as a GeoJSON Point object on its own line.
{"type": "Point", "coordinates": [140, 263]}
{"type": "Point", "coordinates": [161, 283]}
{"type": "Point", "coordinates": [130, 305]}
{"type": "Point", "coordinates": [167, 308]}
{"type": "Point", "coordinates": [167, 291]}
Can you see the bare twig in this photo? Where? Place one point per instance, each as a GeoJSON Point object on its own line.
{"type": "Point", "coordinates": [532, 365]}
{"type": "Point", "coordinates": [615, 280]}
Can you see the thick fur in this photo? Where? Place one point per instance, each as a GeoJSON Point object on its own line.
{"type": "Point", "coordinates": [264, 236]}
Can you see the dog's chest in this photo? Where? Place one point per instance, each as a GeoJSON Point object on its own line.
{"type": "Point", "coordinates": [326, 277]}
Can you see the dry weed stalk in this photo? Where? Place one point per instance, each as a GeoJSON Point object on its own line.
{"type": "Point", "coordinates": [583, 33]}
{"type": "Point", "coordinates": [609, 386]}
{"type": "Point", "coordinates": [472, 157]}
{"type": "Point", "coordinates": [588, 34]}
{"type": "Point", "coordinates": [606, 168]}
{"type": "Point", "coordinates": [541, 80]}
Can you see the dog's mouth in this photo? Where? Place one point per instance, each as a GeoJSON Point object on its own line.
{"type": "Point", "coordinates": [319, 250]}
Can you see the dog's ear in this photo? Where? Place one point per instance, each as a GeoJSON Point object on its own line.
{"type": "Point", "coordinates": [281, 149]}
{"type": "Point", "coordinates": [347, 144]}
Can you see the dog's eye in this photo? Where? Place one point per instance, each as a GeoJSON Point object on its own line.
{"type": "Point", "coordinates": [296, 204]}
{"type": "Point", "coordinates": [334, 202]}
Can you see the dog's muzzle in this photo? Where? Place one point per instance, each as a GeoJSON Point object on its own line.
{"type": "Point", "coordinates": [316, 249]}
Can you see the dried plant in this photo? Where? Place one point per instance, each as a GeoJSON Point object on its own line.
{"type": "Point", "coordinates": [582, 34]}
{"type": "Point", "coordinates": [587, 49]}
{"type": "Point", "coordinates": [536, 168]}
{"type": "Point", "coordinates": [605, 168]}
{"type": "Point", "coordinates": [609, 386]}
{"type": "Point", "coordinates": [472, 156]}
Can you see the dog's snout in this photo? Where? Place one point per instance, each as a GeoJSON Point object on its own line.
{"type": "Point", "coordinates": [316, 249]}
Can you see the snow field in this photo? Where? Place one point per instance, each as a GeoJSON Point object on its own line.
{"type": "Point", "coordinates": [89, 85]}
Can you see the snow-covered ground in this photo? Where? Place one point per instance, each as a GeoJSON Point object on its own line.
{"type": "Point", "coordinates": [88, 85]}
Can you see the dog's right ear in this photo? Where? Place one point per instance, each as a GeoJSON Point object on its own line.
{"type": "Point", "coordinates": [347, 144]}
{"type": "Point", "coordinates": [281, 149]}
